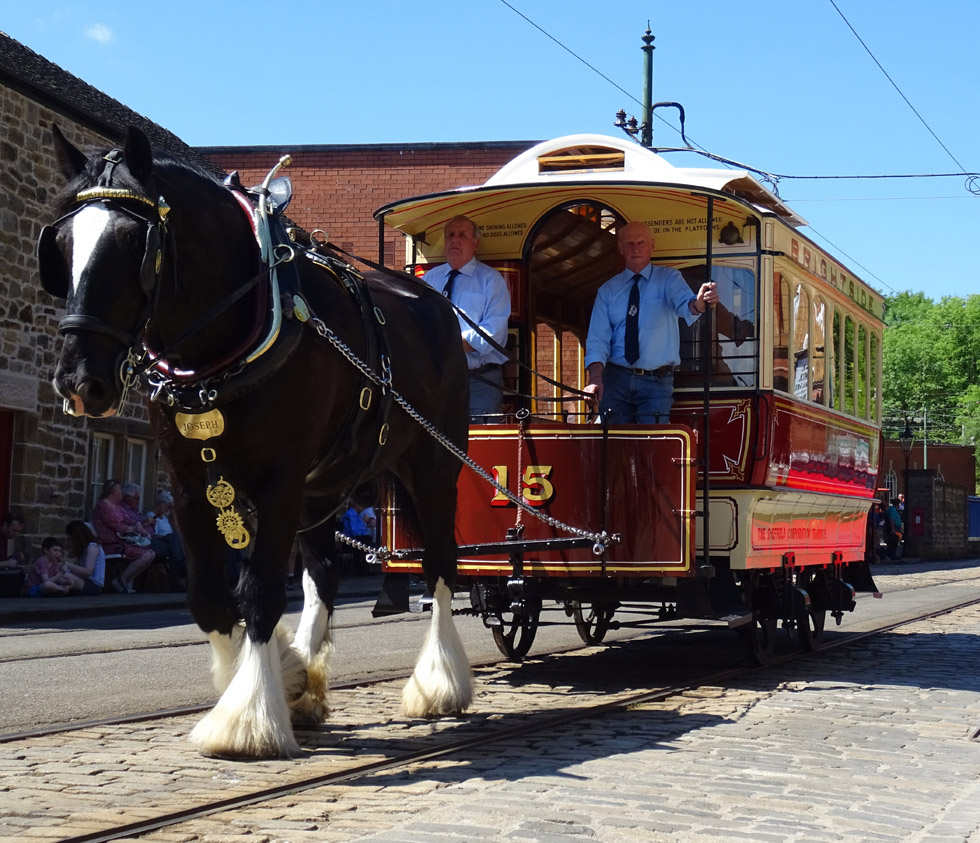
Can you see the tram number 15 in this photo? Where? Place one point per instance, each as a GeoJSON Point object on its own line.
{"type": "Point", "coordinates": [536, 488]}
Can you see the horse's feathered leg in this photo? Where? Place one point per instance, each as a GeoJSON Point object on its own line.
{"type": "Point", "coordinates": [312, 640]}
{"type": "Point", "coordinates": [442, 682]}
{"type": "Point", "coordinates": [224, 657]}
{"type": "Point", "coordinates": [252, 718]}
{"type": "Point", "coordinates": [313, 644]}
{"type": "Point", "coordinates": [209, 594]}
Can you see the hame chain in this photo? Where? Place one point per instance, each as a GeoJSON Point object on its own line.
{"type": "Point", "coordinates": [599, 540]}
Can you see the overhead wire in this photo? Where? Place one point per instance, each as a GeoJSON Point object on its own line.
{"type": "Point", "coordinates": [900, 93]}
{"type": "Point", "coordinates": [973, 179]}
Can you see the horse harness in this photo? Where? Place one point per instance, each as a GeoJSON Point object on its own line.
{"type": "Point", "coordinates": [195, 399]}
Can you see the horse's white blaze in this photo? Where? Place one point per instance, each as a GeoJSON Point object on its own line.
{"type": "Point", "coordinates": [442, 682]}
{"type": "Point", "coordinates": [87, 228]}
{"type": "Point", "coordinates": [224, 657]}
{"type": "Point", "coordinates": [252, 718]}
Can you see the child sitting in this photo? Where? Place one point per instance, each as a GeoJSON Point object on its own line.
{"type": "Point", "coordinates": [48, 577]}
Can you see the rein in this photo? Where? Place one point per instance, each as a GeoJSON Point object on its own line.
{"type": "Point", "coordinates": [490, 340]}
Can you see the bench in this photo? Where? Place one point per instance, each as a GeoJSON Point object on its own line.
{"type": "Point", "coordinates": [155, 579]}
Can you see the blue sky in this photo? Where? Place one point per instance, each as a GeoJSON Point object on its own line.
{"type": "Point", "coordinates": [781, 85]}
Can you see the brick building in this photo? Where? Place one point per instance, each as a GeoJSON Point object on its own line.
{"type": "Point", "coordinates": [941, 478]}
{"type": "Point", "coordinates": [337, 188]}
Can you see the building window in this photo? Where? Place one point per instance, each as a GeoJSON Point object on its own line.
{"type": "Point", "coordinates": [136, 465]}
{"type": "Point", "coordinates": [101, 465]}
{"type": "Point", "coordinates": [891, 481]}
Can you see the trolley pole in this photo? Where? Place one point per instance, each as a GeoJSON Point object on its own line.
{"type": "Point", "coordinates": [646, 138]}
{"type": "Point", "coordinates": [706, 399]}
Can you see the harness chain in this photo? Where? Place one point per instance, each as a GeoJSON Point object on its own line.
{"type": "Point", "coordinates": [599, 540]}
{"type": "Point", "coordinates": [489, 339]}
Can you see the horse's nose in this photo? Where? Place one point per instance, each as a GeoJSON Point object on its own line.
{"type": "Point", "coordinates": [92, 391]}
{"type": "Point", "coordinates": [85, 394]}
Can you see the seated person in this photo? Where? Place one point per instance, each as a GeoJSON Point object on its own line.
{"type": "Point", "coordinates": [164, 539]}
{"type": "Point", "coordinates": [48, 576]}
{"type": "Point", "coordinates": [112, 521]}
{"type": "Point", "coordinates": [13, 555]}
{"type": "Point", "coordinates": [86, 558]}
{"type": "Point", "coordinates": [353, 525]}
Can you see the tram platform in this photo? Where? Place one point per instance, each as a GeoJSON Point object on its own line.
{"type": "Point", "coordinates": [40, 609]}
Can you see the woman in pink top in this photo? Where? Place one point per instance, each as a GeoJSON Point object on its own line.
{"type": "Point", "coordinates": [112, 520]}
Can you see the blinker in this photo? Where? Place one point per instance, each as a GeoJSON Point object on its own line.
{"type": "Point", "coordinates": [51, 263]}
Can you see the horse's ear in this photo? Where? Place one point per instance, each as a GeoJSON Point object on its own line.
{"type": "Point", "coordinates": [137, 153]}
{"type": "Point", "coordinates": [71, 160]}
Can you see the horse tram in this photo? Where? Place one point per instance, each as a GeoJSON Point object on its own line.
{"type": "Point", "coordinates": [751, 507]}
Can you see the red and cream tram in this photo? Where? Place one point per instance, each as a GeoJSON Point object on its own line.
{"type": "Point", "coordinates": [787, 373]}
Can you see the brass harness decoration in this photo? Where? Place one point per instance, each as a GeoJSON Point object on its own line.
{"type": "Point", "coordinates": [220, 493]}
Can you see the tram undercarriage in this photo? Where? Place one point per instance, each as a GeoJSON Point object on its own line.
{"type": "Point", "coordinates": [755, 604]}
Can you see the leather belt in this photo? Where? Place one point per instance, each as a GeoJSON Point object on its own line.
{"type": "Point", "coordinates": [486, 367]}
{"type": "Point", "coordinates": [661, 372]}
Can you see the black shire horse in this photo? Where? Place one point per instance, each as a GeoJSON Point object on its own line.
{"type": "Point", "coordinates": [249, 345]}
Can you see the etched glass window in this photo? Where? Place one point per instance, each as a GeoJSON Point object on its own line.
{"type": "Point", "coordinates": [801, 343]}
{"type": "Point", "coordinates": [780, 334]}
{"type": "Point", "coordinates": [818, 353]}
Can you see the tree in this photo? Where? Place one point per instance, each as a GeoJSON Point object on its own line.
{"type": "Point", "coordinates": [931, 366]}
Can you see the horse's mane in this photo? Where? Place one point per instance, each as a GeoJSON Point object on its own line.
{"type": "Point", "coordinates": [170, 172]}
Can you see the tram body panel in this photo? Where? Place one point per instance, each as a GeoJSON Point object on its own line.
{"type": "Point", "coordinates": [559, 469]}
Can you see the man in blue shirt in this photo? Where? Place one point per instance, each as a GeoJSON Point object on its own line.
{"type": "Point", "coordinates": [633, 345]}
{"type": "Point", "coordinates": [481, 293]}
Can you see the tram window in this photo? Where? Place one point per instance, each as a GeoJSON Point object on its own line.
{"type": "Point", "coordinates": [838, 359]}
{"type": "Point", "coordinates": [849, 349]}
{"type": "Point", "coordinates": [818, 355]}
{"type": "Point", "coordinates": [862, 372]}
{"type": "Point", "coordinates": [780, 334]}
{"type": "Point", "coordinates": [801, 342]}
{"type": "Point", "coordinates": [733, 327]}
{"type": "Point", "coordinates": [875, 368]}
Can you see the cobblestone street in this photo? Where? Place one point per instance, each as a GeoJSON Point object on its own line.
{"type": "Point", "coordinates": [875, 741]}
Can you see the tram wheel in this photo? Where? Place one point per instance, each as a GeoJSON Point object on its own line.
{"type": "Point", "coordinates": [515, 635]}
{"type": "Point", "coordinates": [759, 639]}
{"type": "Point", "coordinates": [809, 628]}
{"type": "Point", "coordinates": [592, 627]}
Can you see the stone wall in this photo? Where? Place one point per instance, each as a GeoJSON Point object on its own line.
{"type": "Point", "coordinates": [50, 449]}
{"type": "Point", "coordinates": [942, 507]}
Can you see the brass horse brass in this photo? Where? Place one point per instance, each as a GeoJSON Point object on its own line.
{"type": "Point", "coordinates": [200, 425]}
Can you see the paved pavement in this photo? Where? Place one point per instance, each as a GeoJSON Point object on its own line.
{"type": "Point", "coordinates": [39, 609]}
{"type": "Point", "coordinates": [30, 609]}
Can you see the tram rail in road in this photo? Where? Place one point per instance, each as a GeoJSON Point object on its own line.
{"type": "Point", "coordinates": [443, 741]}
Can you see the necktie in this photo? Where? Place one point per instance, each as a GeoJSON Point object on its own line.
{"type": "Point", "coordinates": [633, 322]}
{"type": "Point", "coordinates": [447, 291]}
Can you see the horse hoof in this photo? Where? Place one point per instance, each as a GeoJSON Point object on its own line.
{"type": "Point", "coordinates": [311, 707]}
{"type": "Point", "coordinates": [446, 700]}
{"type": "Point", "coordinates": [221, 736]}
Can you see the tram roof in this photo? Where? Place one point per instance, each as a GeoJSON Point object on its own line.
{"type": "Point", "coordinates": [567, 165]}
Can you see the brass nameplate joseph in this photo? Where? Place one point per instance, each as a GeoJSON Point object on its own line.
{"type": "Point", "coordinates": [200, 425]}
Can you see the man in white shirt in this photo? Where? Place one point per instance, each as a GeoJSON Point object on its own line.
{"type": "Point", "coordinates": [631, 367]}
{"type": "Point", "coordinates": [481, 293]}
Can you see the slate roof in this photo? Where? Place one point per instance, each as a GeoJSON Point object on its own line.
{"type": "Point", "coordinates": [46, 83]}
